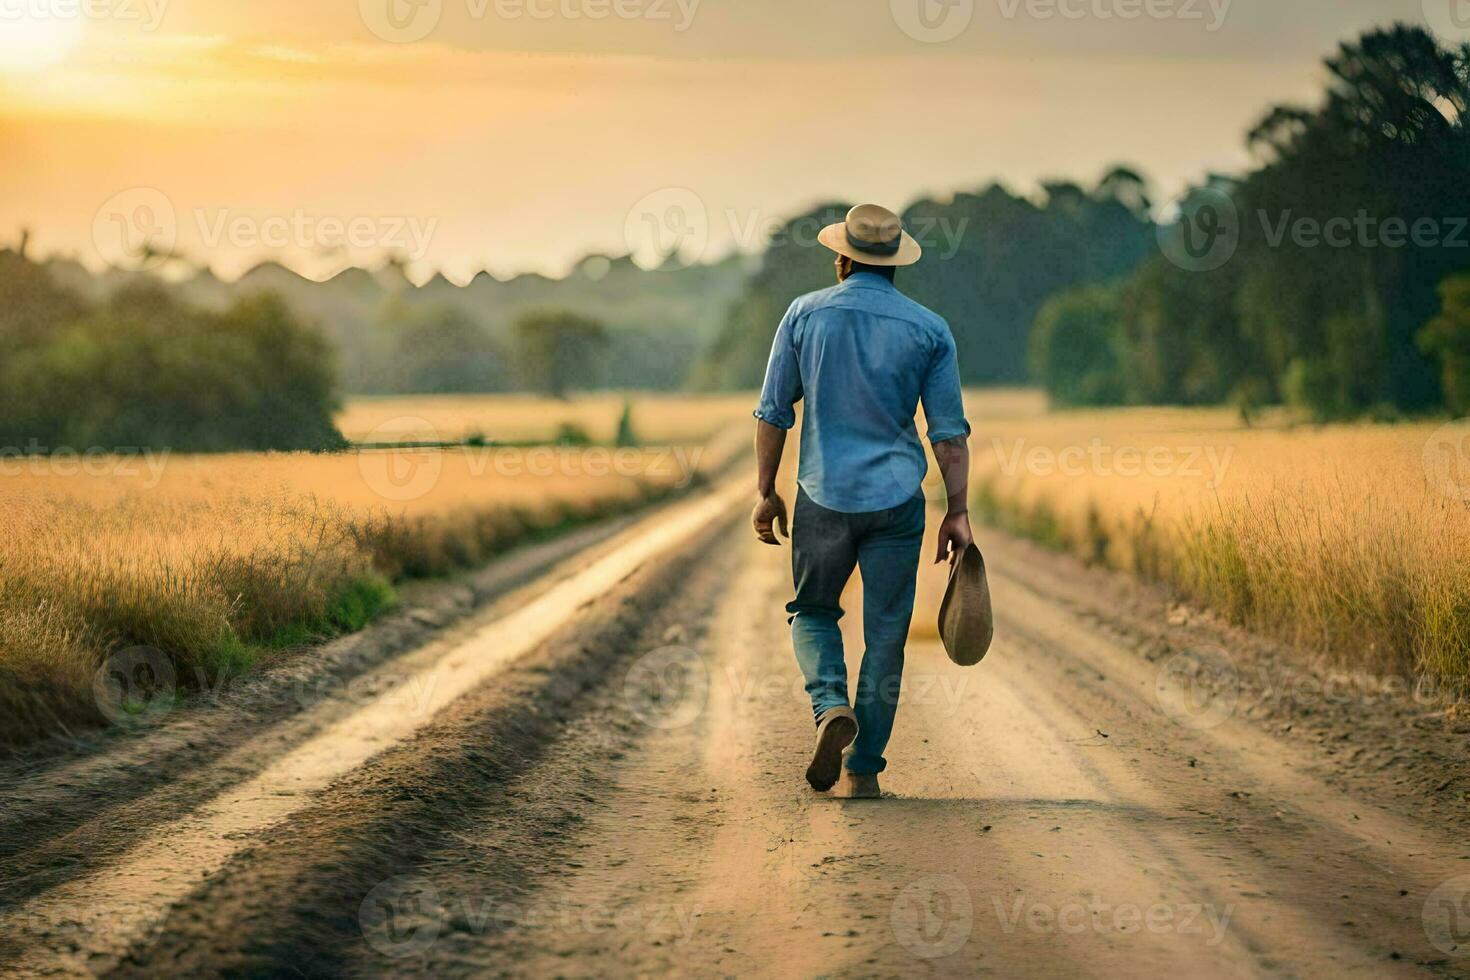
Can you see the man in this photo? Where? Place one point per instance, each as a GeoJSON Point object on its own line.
{"type": "Point", "coordinates": [862, 356]}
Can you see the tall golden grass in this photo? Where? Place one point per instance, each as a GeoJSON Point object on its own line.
{"type": "Point", "coordinates": [217, 560]}
{"type": "Point", "coordinates": [657, 417]}
{"type": "Point", "coordinates": [1341, 540]}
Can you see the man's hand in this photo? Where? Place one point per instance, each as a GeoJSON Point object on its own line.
{"type": "Point", "coordinates": [954, 537]}
{"type": "Point", "coordinates": [769, 514]}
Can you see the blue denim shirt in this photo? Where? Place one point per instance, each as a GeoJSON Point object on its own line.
{"type": "Point", "coordinates": [863, 356]}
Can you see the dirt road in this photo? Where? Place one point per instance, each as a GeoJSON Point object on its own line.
{"type": "Point", "coordinates": [593, 766]}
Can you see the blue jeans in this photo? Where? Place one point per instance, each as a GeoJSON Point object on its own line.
{"type": "Point", "coordinates": [826, 545]}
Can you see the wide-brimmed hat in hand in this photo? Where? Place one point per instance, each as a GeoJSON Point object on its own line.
{"type": "Point", "coordinates": [966, 622]}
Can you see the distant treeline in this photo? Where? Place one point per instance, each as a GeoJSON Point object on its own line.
{"type": "Point", "coordinates": [991, 261]}
{"type": "Point", "coordinates": [393, 336]}
{"type": "Point", "coordinates": [143, 369]}
{"type": "Point", "coordinates": [1336, 276]}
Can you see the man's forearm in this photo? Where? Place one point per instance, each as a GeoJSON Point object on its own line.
{"type": "Point", "coordinates": [770, 444]}
{"type": "Point", "coordinates": [953, 456]}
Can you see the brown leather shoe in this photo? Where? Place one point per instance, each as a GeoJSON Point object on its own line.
{"type": "Point", "coordinates": [861, 786]}
{"type": "Point", "coordinates": [835, 732]}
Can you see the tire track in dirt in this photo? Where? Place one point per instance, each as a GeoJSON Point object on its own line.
{"type": "Point", "coordinates": [73, 810]}
{"type": "Point", "coordinates": [703, 856]}
{"type": "Point", "coordinates": [628, 800]}
{"type": "Point", "coordinates": [79, 926]}
{"type": "Point", "coordinates": [500, 784]}
{"type": "Point", "coordinates": [1015, 839]}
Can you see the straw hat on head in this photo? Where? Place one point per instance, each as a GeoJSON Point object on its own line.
{"type": "Point", "coordinates": [873, 235]}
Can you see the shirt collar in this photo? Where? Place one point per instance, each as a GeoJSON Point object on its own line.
{"type": "Point", "coordinates": [868, 280]}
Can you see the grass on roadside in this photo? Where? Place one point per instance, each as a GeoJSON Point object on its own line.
{"type": "Point", "coordinates": [1332, 539]}
{"type": "Point", "coordinates": [216, 561]}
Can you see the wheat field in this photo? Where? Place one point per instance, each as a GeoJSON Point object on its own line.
{"type": "Point", "coordinates": [218, 560]}
{"type": "Point", "coordinates": [1350, 541]}
{"type": "Point", "coordinates": [657, 417]}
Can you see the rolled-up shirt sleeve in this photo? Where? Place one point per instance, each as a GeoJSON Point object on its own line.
{"type": "Point", "coordinates": [944, 405]}
{"type": "Point", "coordinates": [782, 389]}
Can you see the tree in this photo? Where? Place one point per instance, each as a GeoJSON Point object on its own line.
{"type": "Point", "coordinates": [1128, 187]}
{"type": "Point", "coordinates": [1388, 145]}
{"type": "Point", "coordinates": [991, 260]}
{"type": "Point", "coordinates": [559, 350]}
{"type": "Point", "coordinates": [1074, 347]}
{"type": "Point", "coordinates": [287, 396]}
{"type": "Point", "coordinates": [1180, 335]}
{"type": "Point", "coordinates": [1326, 292]}
{"type": "Point", "coordinates": [626, 436]}
{"type": "Point", "coordinates": [792, 264]}
{"type": "Point", "coordinates": [1447, 338]}
{"type": "Point", "coordinates": [32, 303]}
{"type": "Point", "coordinates": [145, 370]}
{"type": "Point", "coordinates": [443, 349]}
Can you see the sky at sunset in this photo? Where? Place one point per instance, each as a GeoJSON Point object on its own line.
{"type": "Point", "coordinates": [518, 135]}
